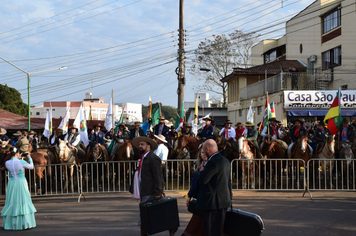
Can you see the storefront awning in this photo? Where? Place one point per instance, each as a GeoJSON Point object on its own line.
{"type": "Point", "coordinates": [318, 112]}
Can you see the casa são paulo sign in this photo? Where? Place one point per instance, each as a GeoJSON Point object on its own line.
{"type": "Point", "coordinates": [309, 99]}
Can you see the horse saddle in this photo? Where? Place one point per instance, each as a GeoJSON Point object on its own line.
{"type": "Point", "coordinates": [74, 150]}
{"type": "Point", "coordinates": [281, 143]}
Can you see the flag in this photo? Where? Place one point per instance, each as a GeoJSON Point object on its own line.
{"type": "Point", "coordinates": [115, 130]}
{"type": "Point", "coordinates": [82, 127]}
{"type": "Point", "coordinates": [333, 114]}
{"type": "Point", "coordinates": [50, 119]}
{"type": "Point", "coordinates": [250, 113]}
{"type": "Point", "coordinates": [273, 113]}
{"type": "Point", "coordinates": [176, 124]}
{"type": "Point", "coordinates": [195, 120]}
{"type": "Point", "coordinates": [267, 115]}
{"type": "Point", "coordinates": [90, 117]}
{"type": "Point", "coordinates": [150, 106]}
{"type": "Point", "coordinates": [65, 122]}
{"type": "Point", "coordinates": [108, 119]}
{"type": "Point", "coordinates": [76, 122]}
{"type": "Point", "coordinates": [155, 116]}
{"type": "Point", "coordinates": [46, 131]}
{"type": "Point", "coordinates": [144, 127]}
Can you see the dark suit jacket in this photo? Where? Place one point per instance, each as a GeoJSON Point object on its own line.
{"type": "Point", "coordinates": [165, 131]}
{"type": "Point", "coordinates": [151, 175]}
{"type": "Point", "coordinates": [215, 184]}
{"type": "Point", "coordinates": [319, 136]}
{"type": "Point", "coordinates": [133, 131]}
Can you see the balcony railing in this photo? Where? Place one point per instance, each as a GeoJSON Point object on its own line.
{"type": "Point", "coordinates": [287, 81]}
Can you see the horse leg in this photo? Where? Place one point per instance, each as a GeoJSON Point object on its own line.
{"type": "Point", "coordinates": [245, 173]}
{"type": "Point", "coordinates": [252, 176]}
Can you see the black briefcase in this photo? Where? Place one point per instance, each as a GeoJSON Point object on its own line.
{"type": "Point", "coordinates": [243, 223]}
{"type": "Point", "coordinates": [160, 215]}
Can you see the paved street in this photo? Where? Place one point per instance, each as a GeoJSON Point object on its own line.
{"type": "Point", "coordinates": [284, 213]}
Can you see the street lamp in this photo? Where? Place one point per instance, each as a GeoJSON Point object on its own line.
{"type": "Point", "coordinates": [28, 85]}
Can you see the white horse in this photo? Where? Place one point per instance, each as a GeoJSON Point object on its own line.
{"type": "Point", "coordinates": [67, 155]}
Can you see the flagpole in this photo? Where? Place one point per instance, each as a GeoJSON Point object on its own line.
{"type": "Point", "coordinates": [112, 109]}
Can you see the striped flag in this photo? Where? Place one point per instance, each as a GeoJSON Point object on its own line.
{"type": "Point", "coordinates": [333, 115]}
{"type": "Point", "coordinates": [65, 122]}
{"type": "Point", "coordinates": [267, 115]}
{"type": "Point", "coordinates": [273, 113]}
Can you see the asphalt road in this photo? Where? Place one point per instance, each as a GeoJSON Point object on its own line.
{"type": "Point", "coordinates": [284, 213]}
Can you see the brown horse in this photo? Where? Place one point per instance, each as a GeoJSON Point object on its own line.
{"type": "Point", "coordinates": [190, 142]}
{"type": "Point", "coordinates": [273, 150]}
{"type": "Point", "coordinates": [248, 165]}
{"type": "Point", "coordinates": [39, 160]}
{"type": "Point", "coordinates": [123, 153]}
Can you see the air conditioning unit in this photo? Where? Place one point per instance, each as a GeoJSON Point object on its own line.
{"type": "Point", "coordinates": [312, 58]}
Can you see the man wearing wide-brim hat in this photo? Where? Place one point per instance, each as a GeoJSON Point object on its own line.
{"type": "Point", "coordinates": [252, 134]}
{"type": "Point", "coordinates": [150, 180]}
{"type": "Point", "coordinates": [161, 128]}
{"type": "Point", "coordinates": [162, 152]}
{"type": "Point", "coordinates": [187, 129]}
{"type": "Point", "coordinates": [54, 138]}
{"type": "Point", "coordinates": [294, 135]}
{"type": "Point", "coordinates": [3, 136]}
{"type": "Point", "coordinates": [96, 135]}
{"type": "Point", "coordinates": [32, 139]}
{"type": "Point", "coordinates": [227, 132]}
{"type": "Point", "coordinates": [320, 136]}
{"type": "Point", "coordinates": [271, 131]}
{"type": "Point", "coordinates": [137, 131]}
{"type": "Point", "coordinates": [207, 132]}
{"type": "Point", "coordinates": [73, 140]}
{"type": "Point", "coordinates": [22, 143]}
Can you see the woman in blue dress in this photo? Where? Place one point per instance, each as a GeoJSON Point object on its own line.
{"type": "Point", "coordinates": [18, 212]}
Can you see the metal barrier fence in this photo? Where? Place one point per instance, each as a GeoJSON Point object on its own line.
{"type": "Point", "coordinates": [270, 174]}
{"type": "Point", "coordinates": [332, 174]}
{"type": "Point", "coordinates": [267, 175]}
{"type": "Point", "coordinates": [56, 180]}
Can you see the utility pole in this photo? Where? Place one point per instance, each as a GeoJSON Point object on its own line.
{"type": "Point", "coordinates": [180, 71]}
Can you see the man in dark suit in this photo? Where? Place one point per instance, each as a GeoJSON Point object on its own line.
{"type": "Point", "coordinates": [137, 131]}
{"type": "Point", "coordinates": [150, 172]}
{"type": "Point", "coordinates": [162, 128]}
{"type": "Point", "coordinates": [214, 196]}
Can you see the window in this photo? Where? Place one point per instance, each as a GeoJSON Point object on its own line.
{"type": "Point", "coordinates": [331, 58]}
{"type": "Point", "coordinates": [344, 87]}
{"type": "Point", "coordinates": [240, 113]}
{"type": "Point", "coordinates": [270, 56]}
{"type": "Point", "coordinates": [53, 109]}
{"type": "Point", "coordinates": [332, 21]}
{"type": "Point", "coordinates": [37, 113]}
{"type": "Point", "coordinates": [259, 110]}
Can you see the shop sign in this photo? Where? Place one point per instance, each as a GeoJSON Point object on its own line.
{"type": "Point", "coordinates": [311, 99]}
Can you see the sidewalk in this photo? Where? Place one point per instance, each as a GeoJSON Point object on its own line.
{"type": "Point", "coordinates": [284, 213]}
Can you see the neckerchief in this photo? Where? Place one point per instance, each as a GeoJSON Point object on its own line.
{"type": "Point", "coordinates": [296, 133]}
{"type": "Point", "coordinates": [140, 162]}
{"type": "Point", "coordinates": [226, 133]}
{"type": "Point", "coordinates": [274, 132]}
{"type": "Point", "coordinates": [344, 132]}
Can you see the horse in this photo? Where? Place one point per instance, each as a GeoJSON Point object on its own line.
{"type": "Point", "coordinates": [348, 165]}
{"type": "Point", "coordinates": [248, 164]}
{"type": "Point", "coordinates": [187, 148]}
{"type": "Point", "coordinates": [273, 150]}
{"type": "Point", "coordinates": [190, 142]}
{"type": "Point", "coordinates": [327, 152]}
{"type": "Point", "coordinates": [226, 149]}
{"type": "Point", "coordinates": [300, 150]}
{"type": "Point", "coordinates": [67, 156]}
{"type": "Point", "coordinates": [123, 153]}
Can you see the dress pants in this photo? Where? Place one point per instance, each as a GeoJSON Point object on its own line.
{"type": "Point", "coordinates": [214, 222]}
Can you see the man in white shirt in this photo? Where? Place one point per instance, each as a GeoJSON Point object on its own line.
{"type": "Point", "coordinates": [227, 132]}
{"type": "Point", "coordinates": [162, 152]}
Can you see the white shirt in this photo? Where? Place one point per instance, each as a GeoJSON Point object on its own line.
{"type": "Point", "coordinates": [231, 133]}
{"type": "Point", "coordinates": [162, 152]}
{"type": "Point", "coordinates": [76, 141]}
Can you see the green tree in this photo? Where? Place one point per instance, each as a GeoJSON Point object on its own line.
{"type": "Point", "coordinates": [219, 56]}
{"type": "Point", "coordinates": [10, 100]}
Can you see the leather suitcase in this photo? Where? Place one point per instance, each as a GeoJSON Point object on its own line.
{"type": "Point", "coordinates": [243, 223]}
{"type": "Point", "coordinates": [160, 215]}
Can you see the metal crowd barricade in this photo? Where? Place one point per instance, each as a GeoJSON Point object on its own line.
{"type": "Point", "coordinates": [179, 174]}
{"type": "Point", "coordinates": [332, 174]}
{"type": "Point", "coordinates": [110, 176]}
{"type": "Point", "coordinates": [268, 174]}
{"type": "Point", "coordinates": [3, 183]}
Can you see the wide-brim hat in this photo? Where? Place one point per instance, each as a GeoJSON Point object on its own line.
{"type": "Point", "coordinates": [273, 119]}
{"type": "Point", "coordinates": [151, 142]}
{"type": "Point", "coordinates": [18, 133]}
{"type": "Point", "coordinates": [58, 130]}
{"type": "Point", "coordinates": [3, 131]}
{"type": "Point", "coordinates": [97, 125]}
{"type": "Point", "coordinates": [300, 121]}
{"type": "Point", "coordinates": [122, 124]}
{"type": "Point", "coordinates": [185, 124]}
{"type": "Point", "coordinates": [137, 123]}
{"type": "Point", "coordinates": [228, 122]}
{"type": "Point", "coordinates": [31, 132]}
{"type": "Point", "coordinates": [249, 123]}
{"type": "Point", "coordinates": [207, 118]}
{"type": "Point", "coordinates": [238, 123]}
{"type": "Point", "coordinates": [161, 137]}
{"type": "Point", "coordinates": [161, 118]}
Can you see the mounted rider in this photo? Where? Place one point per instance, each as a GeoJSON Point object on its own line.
{"type": "Point", "coordinates": [346, 133]}
{"type": "Point", "coordinates": [22, 143]}
{"type": "Point", "coordinates": [320, 136]}
{"type": "Point", "coordinates": [187, 129]}
{"type": "Point", "coordinates": [72, 139]}
{"type": "Point", "coordinates": [97, 135]}
{"type": "Point", "coordinates": [207, 132]}
{"type": "Point", "coordinates": [161, 128]}
{"type": "Point", "coordinates": [137, 131]}
{"type": "Point", "coordinates": [3, 136]}
{"type": "Point", "coordinates": [272, 132]}
{"type": "Point", "coordinates": [228, 133]}
{"type": "Point", "coordinates": [252, 134]}
{"type": "Point", "coordinates": [240, 130]}
{"type": "Point", "coordinates": [32, 139]}
{"type": "Point", "coordinates": [121, 135]}
{"type": "Point", "coordinates": [298, 127]}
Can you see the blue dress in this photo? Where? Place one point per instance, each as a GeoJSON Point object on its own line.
{"type": "Point", "coordinates": [18, 212]}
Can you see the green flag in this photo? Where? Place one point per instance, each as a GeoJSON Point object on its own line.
{"type": "Point", "coordinates": [115, 130]}
{"type": "Point", "coordinates": [176, 125]}
{"type": "Point", "coordinates": [155, 116]}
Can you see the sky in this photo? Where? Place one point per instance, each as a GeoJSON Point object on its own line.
{"type": "Point", "coordinates": [128, 46]}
